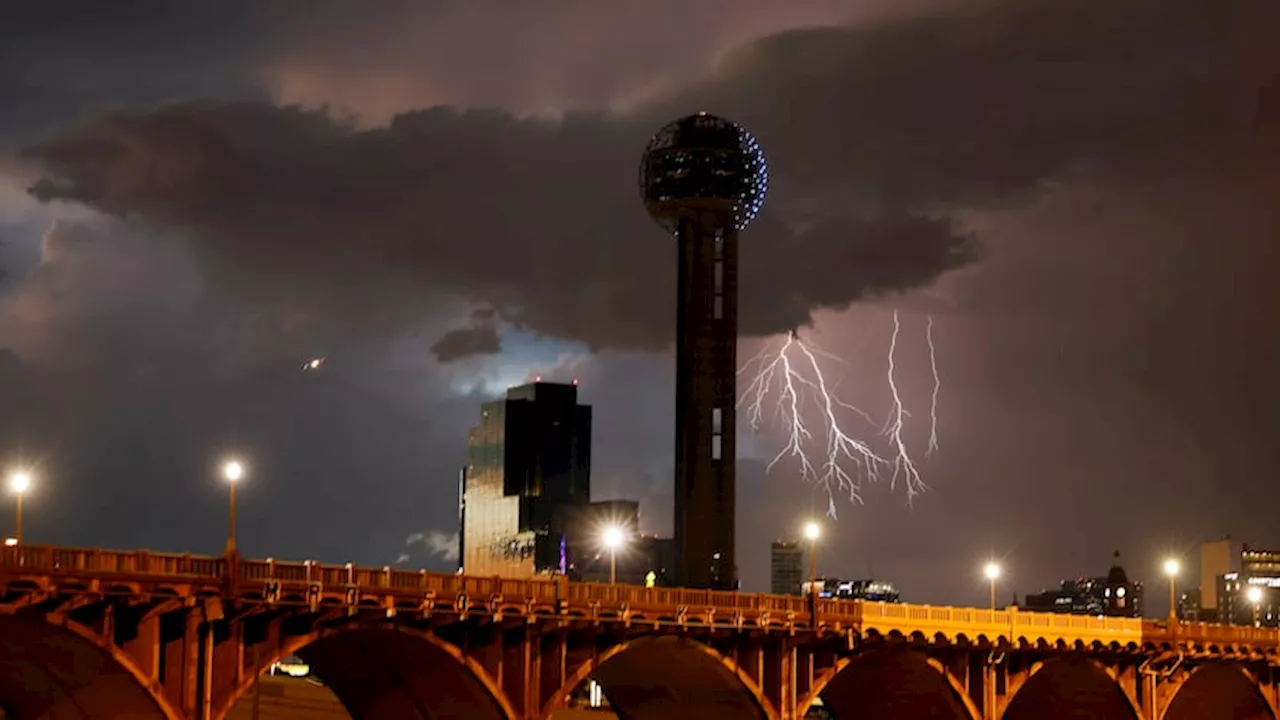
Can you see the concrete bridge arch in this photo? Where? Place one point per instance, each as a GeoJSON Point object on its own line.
{"type": "Point", "coordinates": [66, 670]}
{"type": "Point", "coordinates": [891, 682]}
{"type": "Point", "coordinates": [654, 677]}
{"type": "Point", "coordinates": [52, 666]}
{"type": "Point", "coordinates": [388, 670]}
{"type": "Point", "coordinates": [1220, 691]}
{"type": "Point", "coordinates": [1071, 687]}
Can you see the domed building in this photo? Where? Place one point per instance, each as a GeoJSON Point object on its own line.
{"type": "Point", "coordinates": [1113, 594]}
{"type": "Point", "coordinates": [1121, 596]}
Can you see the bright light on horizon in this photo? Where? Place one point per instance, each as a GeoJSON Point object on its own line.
{"type": "Point", "coordinates": [1254, 593]}
{"type": "Point", "coordinates": [1172, 567]}
{"type": "Point", "coordinates": [991, 570]}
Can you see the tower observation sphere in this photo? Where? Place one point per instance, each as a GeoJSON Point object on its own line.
{"type": "Point", "coordinates": [703, 179]}
{"type": "Point", "coordinates": [703, 165]}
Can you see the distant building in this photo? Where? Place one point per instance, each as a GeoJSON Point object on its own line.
{"type": "Point", "coordinates": [1229, 569]}
{"type": "Point", "coordinates": [786, 567]}
{"type": "Point", "coordinates": [1189, 605]}
{"type": "Point", "coordinates": [1113, 594]}
{"type": "Point", "coordinates": [1217, 558]}
{"type": "Point", "coordinates": [528, 470]}
{"type": "Point", "coordinates": [870, 590]}
{"type": "Point", "coordinates": [1259, 576]}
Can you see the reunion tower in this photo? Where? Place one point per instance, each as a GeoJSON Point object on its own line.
{"type": "Point", "coordinates": [703, 179]}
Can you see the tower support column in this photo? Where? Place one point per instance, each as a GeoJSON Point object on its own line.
{"type": "Point", "coordinates": [706, 375]}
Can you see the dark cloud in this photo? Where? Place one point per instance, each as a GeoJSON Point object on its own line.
{"type": "Point", "coordinates": [465, 342]}
{"type": "Point", "coordinates": [874, 133]}
{"type": "Point", "coordinates": [534, 217]}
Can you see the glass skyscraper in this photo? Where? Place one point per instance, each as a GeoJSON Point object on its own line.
{"type": "Point", "coordinates": [526, 481]}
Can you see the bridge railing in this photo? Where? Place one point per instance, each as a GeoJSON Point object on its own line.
{"type": "Point", "coordinates": [124, 566]}
{"type": "Point", "coordinates": [56, 560]}
{"type": "Point", "coordinates": [1210, 633]}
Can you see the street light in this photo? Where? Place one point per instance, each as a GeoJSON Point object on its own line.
{"type": "Point", "coordinates": [811, 531]}
{"type": "Point", "coordinates": [1254, 593]}
{"type": "Point", "coordinates": [1171, 568]}
{"type": "Point", "coordinates": [232, 472]}
{"type": "Point", "coordinates": [19, 484]}
{"type": "Point", "coordinates": [992, 571]}
{"type": "Point", "coordinates": [613, 539]}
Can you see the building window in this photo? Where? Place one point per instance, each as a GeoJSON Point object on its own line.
{"type": "Point", "coordinates": [718, 276]}
{"type": "Point", "coordinates": [717, 419]}
{"type": "Point", "coordinates": [717, 308]}
{"type": "Point", "coordinates": [716, 447]}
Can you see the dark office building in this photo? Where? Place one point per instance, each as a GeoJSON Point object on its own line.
{"type": "Point", "coordinates": [786, 567]}
{"type": "Point", "coordinates": [1113, 595]}
{"type": "Point", "coordinates": [527, 475]}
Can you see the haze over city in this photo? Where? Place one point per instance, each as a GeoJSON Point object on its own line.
{"type": "Point", "coordinates": [440, 202]}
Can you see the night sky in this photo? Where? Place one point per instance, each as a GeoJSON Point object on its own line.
{"type": "Point", "coordinates": [439, 198]}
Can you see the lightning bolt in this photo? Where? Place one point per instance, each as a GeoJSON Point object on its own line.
{"type": "Point", "coordinates": [803, 401]}
{"type": "Point", "coordinates": [904, 467]}
{"type": "Point", "coordinates": [937, 385]}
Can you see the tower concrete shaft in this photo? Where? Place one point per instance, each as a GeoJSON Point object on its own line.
{"type": "Point", "coordinates": [706, 374]}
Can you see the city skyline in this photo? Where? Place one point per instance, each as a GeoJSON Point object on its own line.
{"type": "Point", "coordinates": [1106, 370]}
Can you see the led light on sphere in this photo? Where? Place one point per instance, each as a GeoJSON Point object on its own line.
{"type": "Point", "coordinates": [20, 482]}
{"type": "Point", "coordinates": [992, 571]}
{"type": "Point", "coordinates": [811, 531]}
{"type": "Point", "coordinates": [1171, 567]}
{"type": "Point", "coordinates": [613, 537]}
{"type": "Point", "coordinates": [1255, 594]}
{"type": "Point", "coordinates": [703, 166]}
{"type": "Point", "coordinates": [233, 471]}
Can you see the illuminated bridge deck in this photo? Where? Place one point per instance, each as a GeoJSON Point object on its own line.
{"type": "Point", "coordinates": [48, 571]}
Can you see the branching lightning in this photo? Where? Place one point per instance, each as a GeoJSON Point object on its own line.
{"type": "Point", "coordinates": [804, 402]}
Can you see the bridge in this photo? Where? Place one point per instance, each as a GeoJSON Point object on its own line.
{"type": "Point", "coordinates": [111, 635]}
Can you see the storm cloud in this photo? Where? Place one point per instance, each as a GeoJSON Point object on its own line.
{"type": "Point", "coordinates": [876, 136]}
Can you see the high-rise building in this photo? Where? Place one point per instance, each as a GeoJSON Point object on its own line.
{"type": "Point", "coordinates": [786, 567]}
{"type": "Point", "coordinates": [1217, 558]}
{"type": "Point", "coordinates": [703, 179]}
{"type": "Point", "coordinates": [1251, 595]}
{"type": "Point", "coordinates": [527, 473]}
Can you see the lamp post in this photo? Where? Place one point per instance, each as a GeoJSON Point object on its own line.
{"type": "Point", "coordinates": [992, 571]}
{"type": "Point", "coordinates": [811, 532]}
{"type": "Point", "coordinates": [232, 472]}
{"type": "Point", "coordinates": [613, 539]}
{"type": "Point", "coordinates": [1171, 568]}
{"type": "Point", "coordinates": [19, 484]}
{"type": "Point", "coordinates": [1254, 593]}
